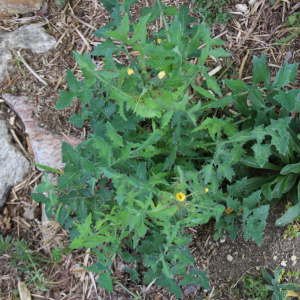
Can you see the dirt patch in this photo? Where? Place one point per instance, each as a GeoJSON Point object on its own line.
{"type": "Point", "coordinates": [247, 257]}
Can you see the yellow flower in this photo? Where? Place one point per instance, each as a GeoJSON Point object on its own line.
{"type": "Point", "coordinates": [180, 196]}
{"type": "Point", "coordinates": [161, 74]}
{"type": "Point", "coordinates": [130, 72]}
{"type": "Point", "coordinates": [158, 41]}
{"type": "Point", "coordinates": [206, 190]}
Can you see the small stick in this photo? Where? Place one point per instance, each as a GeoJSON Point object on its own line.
{"type": "Point", "coordinates": [85, 262]}
{"type": "Point", "coordinates": [84, 39]}
{"type": "Point", "coordinates": [242, 65]}
{"type": "Point", "coordinates": [29, 68]}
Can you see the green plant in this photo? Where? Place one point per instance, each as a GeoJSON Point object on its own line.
{"type": "Point", "coordinates": [159, 159]}
{"type": "Point", "coordinates": [294, 22]}
{"type": "Point", "coordinates": [62, 3]}
{"type": "Point", "coordinates": [56, 254]}
{"type": "Point", "coordinates": [279, 290]}
{"type": "Point", "coordinates": [4, 244]}
{"type": "Point", "coordinates": [254, 288]}
{"type": "Point", "coordinates": [258, 289]}
{"type": "Point", "coordinates": [29, 263]}
{"type": "Point", "coordinates": [212, 12]}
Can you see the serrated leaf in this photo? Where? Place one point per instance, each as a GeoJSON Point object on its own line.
{"type": "Point", "coordinates": [204, 92]}
{"type": "Point", "coordinates": [121, 125]}
{"type": "Point", "coordinates": [77, 120]}
{"type": "Point", "coordinates": [65, 99]}
{"type": "Point", "coordinates": [208, 171]}
{"type": "Point", "coordinates": [166, 269]}
{"type": "Point", "coordinates": [122, 30]}
{"type": "Point", "coordinates": [259, 133]}
{"type": "Point", "coordinates": [184, 17]}
{"type": "Point", "coordinates": [251, 201]}
{"type": "Point", "coordinates": [237, 189]}
{"type": "Point", "coordinates": [280, 142]}
{"type": "Point", "coordinates": [256, 98]}
{"type": "Point", "coordinates": [166, 118]}
{"type": "Point", "coordinates": [236, 85]}
{"type": "Point", "coordinates": [212, 83]}
{"type": "Point", "coordinates": [113, 135]}
{"type": "Point", "coordinates": [73, 83]}
{"type": "Point", "coordinates": [242, 136]}
{"type": "Point", "coordinates": [223, 101]}
{"type": "Point", "coordinates": [261, 153]}
{"type": "Point", "coordinates": [230, 129]}
{"type": "Point", "coordinates": [170, 160]}
{"type": "Point", "coordinates": [44, 185]}
{"type": "Point", "coordinates": [161, 211]}
{"type": "Point", "coordinates": [289, 99]}
{"type": "Point", "coordinates": [71, 175]}
{"type": "Point", "coordinates": [253, 225]}
{"type": "Point", "coordinates": [285, 75]}
{"type": "Point", "coordinates": [260, 70]}
{"type": "Point", "coordinates": [69, 154]}
{"type": "Point", "coordinates": [226, 170]}
{"type": "Point", "coordinates": [171, 285]}
{"type": "Point", "coordinates": [212, 124]}
{"type": "Point", "coordinates": [201, 278]}
{"type": "Point", "coordinates": [105, 280]}
{"type": "Point", "coordinates": [101, 49]}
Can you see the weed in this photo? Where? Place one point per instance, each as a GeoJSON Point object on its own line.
{"type": "Point", "coordinates": [212, 11]}
{"type": "Point", "coordinates": [159, 158]}
{"type": "Point", "coordinates": [259, 289]}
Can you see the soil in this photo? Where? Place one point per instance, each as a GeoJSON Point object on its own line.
{"type": "Point", "coordinates": [244, 36]}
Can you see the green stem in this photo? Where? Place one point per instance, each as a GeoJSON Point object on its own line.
{"type": "Point", "coordinates": [241, 121]}
{"type": "Point", "coordinates": [163, 17]}
{"type": "Point", "coordinates": [134, 295]}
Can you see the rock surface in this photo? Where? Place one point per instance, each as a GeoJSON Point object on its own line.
{"type": "Point", "coordinates": [46, 145]}
{"type": "Point", "coordinates": [31, 37]}
{"type": "Point", "coordinates": [14, 165]}
{"type": "Point", "coordinates": [12, 7]}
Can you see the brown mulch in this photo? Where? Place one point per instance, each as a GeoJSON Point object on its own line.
{"type": "Point", "coordinates": [248, 33]}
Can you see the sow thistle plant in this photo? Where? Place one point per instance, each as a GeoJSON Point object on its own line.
{"type": "Point", "coordinates": [157, 160]}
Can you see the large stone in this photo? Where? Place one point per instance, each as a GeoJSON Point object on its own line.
{"type": "Point", "coordinates": [12, 7]}
{"type": "Point", "coordinates": [14, 164]}
{"type": "Point", "coordinates": [31, 37]}
{"type": "Point", "coordinates": [46, 145]}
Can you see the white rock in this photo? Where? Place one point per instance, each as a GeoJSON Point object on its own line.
{"type": "Point", "coordinates": [283, 263]}
{"type": "Point", "coordinates": [293, 258]}
{"type": "Point", "coordinates": [229, 258]}
{"type": "Point", "coordinates": [14, 165]}
{"type": "Point", "coordinates": [242, 8]}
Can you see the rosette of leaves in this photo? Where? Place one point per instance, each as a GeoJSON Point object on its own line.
{"type": "Point", "coordinates": [117, 190]}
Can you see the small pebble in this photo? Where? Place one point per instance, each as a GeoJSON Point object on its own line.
{"type": "Point", "coordinates": [257, 268]}
{"type": "Point", "coordinates": [274, 257]}
{"type": "Point", "coordinates": [283, 263]}
{"type": "Point", "coordinates": [293, 258]}
{"type": "Point", "coordinates": [229, 258]}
